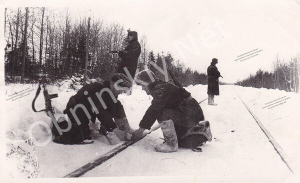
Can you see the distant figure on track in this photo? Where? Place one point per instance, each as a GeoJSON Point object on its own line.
{"type": "Point", "coordinates": [178, 113]}
{"type": "Point", "coordinates": [213, 81]}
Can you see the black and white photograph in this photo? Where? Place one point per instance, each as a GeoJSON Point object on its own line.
{"type": "Point", "coordinates": [150, 91]}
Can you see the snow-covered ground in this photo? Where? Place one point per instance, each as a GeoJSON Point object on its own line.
{"type": "Point", "coordinates": [239, 152]}
{"type": "Point", "coordinates": [280, 113]}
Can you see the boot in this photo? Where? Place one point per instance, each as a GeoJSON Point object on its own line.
{"type": "Point", "coordinates": [213, 100]}
{"type": "Point", "coordinates": [171, 144]}
{"type": "Point", "coordinates": [209, 99]}
{"type": "Point", "coordinates": [122, 124]}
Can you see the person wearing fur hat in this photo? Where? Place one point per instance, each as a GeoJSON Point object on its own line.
{"type": "Point", "coordinates": [95, 100]}
{"type": "Point", "coordinates": [129, 57]}
{"type": "Point", "coordinates": [213, 81]}
{"type": "Point", "coordinates": [178, 113]}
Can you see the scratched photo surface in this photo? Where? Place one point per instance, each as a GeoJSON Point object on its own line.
{"type": "Point", "coordinates": [160, 90]}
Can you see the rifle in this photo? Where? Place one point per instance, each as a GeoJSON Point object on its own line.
{"type": "Point", "coordinates": [176, 82]}
{"type": "Point", "coordinates": [115, 51]}
{"type": "Point", "coordinates": [47, 97]}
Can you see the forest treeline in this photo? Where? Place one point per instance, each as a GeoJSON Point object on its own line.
{"type": "Point", "coordinates": [285, 76]}
{"type": "Point", "coordinates": [51, 42]}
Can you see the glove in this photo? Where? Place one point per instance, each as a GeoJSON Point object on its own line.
{"type": "Point", "coordinates": [138, 134]}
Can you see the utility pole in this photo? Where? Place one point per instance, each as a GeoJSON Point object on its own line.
{"type": "Point", "coordinates": [87, 51]}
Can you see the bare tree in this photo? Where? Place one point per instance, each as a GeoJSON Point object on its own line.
{"type": "Point", "coordinates": [32, 36]}
{"type": "Point", "coordinates": [65, 44]}
{"type": "Point", "coordinates": [95, 33]}
{"type": "Point", "coordinates": [5, 20]}
{"type": "Point", "coordinates": [24, 46]}
{"type": "Point", "coordinates": [144, 52]}
{"type": "Point", "coordinates": [16, 42]}
{"type": "Point", "coordinates": [46, 41]}
{"type": "Point", "coordinates": [87, 50]}
{"type": "Point", "coordinates": [41, 36]}
{"type": "Point", "coordinates": [11, 34]}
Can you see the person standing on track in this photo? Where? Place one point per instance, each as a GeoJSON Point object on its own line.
{"type": "Point", "coordinates": [213, 81]}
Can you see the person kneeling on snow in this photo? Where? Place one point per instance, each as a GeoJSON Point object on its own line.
{"type": "Point", "coordinates": [95, 100]}
{"type": "Point", "coordinates": [180, 115]}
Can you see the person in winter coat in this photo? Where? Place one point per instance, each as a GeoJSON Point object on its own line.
{"type": "Point", "coordinates": [176, 111]}
{"type": "Point", "coordinates": [213, 81]}
{"type": "Point", "coordinates": [129, 57]}
{"type": "Point", "coordinates": [95, 100]}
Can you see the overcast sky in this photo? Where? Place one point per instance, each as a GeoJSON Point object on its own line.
{"type": "Point", "coordinates": [272, 26]}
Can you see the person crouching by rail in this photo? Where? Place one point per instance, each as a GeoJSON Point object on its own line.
{"type": "Point", "coordinates": [178, 113]}
{"type": "Point", "coordinates": [95, 100]}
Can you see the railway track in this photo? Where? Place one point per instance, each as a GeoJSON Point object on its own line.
{"type": "Point", "coordinates": [89, 166]}
{"type": "Point", "coordinates": [271, 139]}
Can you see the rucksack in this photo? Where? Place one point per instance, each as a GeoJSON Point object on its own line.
{"type": "Point", "coordinates": [196, 136]}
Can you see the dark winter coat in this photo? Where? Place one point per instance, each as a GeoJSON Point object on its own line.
{"type": "Point", "coordinates": [105, 115]}
{"type": "Point", "coordinates": [171, 99]}
{"type": "Point", "coordinates": [129, 57]}
{"type": "Point", "coordinates": [213, 80]}
{"type": "Point", "coordinates": [78, 133]}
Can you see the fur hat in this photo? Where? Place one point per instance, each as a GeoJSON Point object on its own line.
{"type": "Point", "coordinates": [126, 81]}
{"type": "Point", "coordinates": [134, 34]}
{"type": "Point", "coordinates": [214, 61]}
{"type": "Point", "coordinates": [147, 76]}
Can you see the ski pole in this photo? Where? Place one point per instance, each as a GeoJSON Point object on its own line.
{"type": "Point", "coordinates": [154, 128]}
